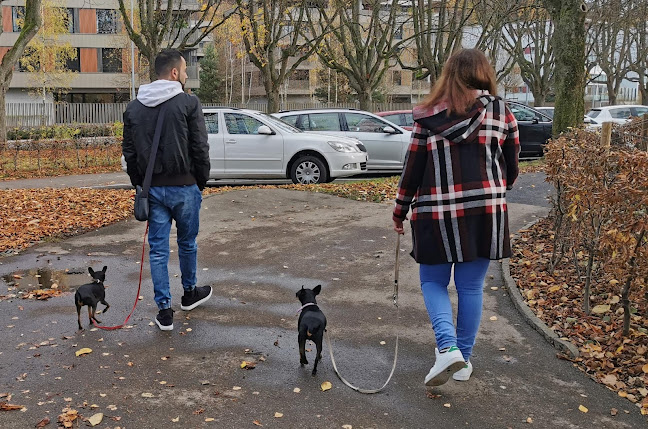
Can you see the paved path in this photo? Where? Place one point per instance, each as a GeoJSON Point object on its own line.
{"type": "Point", "coordinates": [257, 247]}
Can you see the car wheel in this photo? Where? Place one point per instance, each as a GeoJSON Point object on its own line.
{"type": "Point", "coordinates": [308, 170]}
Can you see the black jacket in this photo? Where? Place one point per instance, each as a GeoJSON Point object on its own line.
{"type": "Point", "coordinates": [183, 153]}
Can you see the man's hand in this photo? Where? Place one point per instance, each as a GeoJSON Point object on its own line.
{"type": "Point", "coordinates": [398, 226]}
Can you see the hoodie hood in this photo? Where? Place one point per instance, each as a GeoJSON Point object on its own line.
{"type": "Point", "coordinates": [156, 93]}
{"type": "Point", "coordinates": [456, 128]}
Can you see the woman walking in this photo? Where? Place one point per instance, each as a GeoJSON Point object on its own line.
{"type": "Point", "coordinates": [462, 159]}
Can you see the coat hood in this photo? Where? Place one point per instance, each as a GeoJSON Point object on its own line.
{"type": "Point", "coordinates": [456, 127]}
{"type": "Point", "coordinates": [156, 93]}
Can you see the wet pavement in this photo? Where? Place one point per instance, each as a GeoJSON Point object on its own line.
{"type": "Point", "coordinates": [257, 248]}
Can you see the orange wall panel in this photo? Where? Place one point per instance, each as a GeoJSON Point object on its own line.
{"type": "Point", "coordinates": [88, 60]}
{"type": "Point", "coordinates": [3, 51]}
{"type": "Point", "coordinates": [7, 23]}
{"type": "Point", "coordinates": [88, 21]}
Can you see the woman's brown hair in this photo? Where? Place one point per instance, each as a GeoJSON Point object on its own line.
{"type": "Point", "coordinates": [464, 72]}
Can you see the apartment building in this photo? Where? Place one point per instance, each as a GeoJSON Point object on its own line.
{"type": "Point", "coordinates": [102, 67]}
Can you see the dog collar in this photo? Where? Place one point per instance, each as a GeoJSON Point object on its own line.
{"type": "Point", "coordinates": [304, 306]}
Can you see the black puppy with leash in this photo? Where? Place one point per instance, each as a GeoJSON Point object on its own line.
{"type": "Point", "coordinates": [311, 324]}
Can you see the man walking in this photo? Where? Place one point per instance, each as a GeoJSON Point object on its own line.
{"type": "Point", "coordinates": [180, 173]}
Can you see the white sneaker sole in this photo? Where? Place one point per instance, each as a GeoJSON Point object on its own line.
{"type": "Point", "coordinates": [197, 303]}
{"type": "Point", "coordinates": [443, 376]}
{"type": "Point", "coordinates": [162, 327]}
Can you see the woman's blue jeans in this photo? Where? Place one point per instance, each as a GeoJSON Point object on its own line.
{"type": "Point", "coordinates": [182, 204]}
{"type": "Point", "coordinates": [469, 281]}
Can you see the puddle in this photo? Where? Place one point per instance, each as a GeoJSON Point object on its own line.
{"type": "Point", "coordinates": [38, 279]}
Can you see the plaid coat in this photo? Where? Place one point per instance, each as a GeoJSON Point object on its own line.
{"type": "Point", "coordinates": [455, 178]}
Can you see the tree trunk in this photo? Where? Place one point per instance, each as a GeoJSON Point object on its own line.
{"type": "Point", "coordinates": [612, 97]}
{"type": "Point", "coordinates": [569, 47]}
{"type": "Point", "coordinates": [3, 115]}
{"type": "Point", "coordinates": [151, 60]}
{"type": "Point", "coordinates": [364, 97]}
{"type": "Point", "coordinates": [273, 100]}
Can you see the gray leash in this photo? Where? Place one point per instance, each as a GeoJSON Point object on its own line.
{"type": "Point", "coordinates": [395, 298]}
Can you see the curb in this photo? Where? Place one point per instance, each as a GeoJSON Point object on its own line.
{"type": "Point", "coordinates": [518, 301]}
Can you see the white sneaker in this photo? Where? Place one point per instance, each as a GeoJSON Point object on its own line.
{"type": "Point", "coordinates": [464, 373]}
{"type": "Point", "coordinates": [446, 364]}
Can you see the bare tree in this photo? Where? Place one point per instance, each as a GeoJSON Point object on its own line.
{"type": "Point", "coordinates": [639, 46]}
{"type": "Point", "coordinates": [276, 40]}
{"type": "Point", "coordinates": [612, 24]}
{"type": "Point", "coordinates": [527, 42]}
{"type": "Point", "coordinates": [159, 25]}
{"type": "Point", "coordinates": [361, 41]}
{"type": "Point", "coordinates": [568, 43]}
{"type": "Point", "coordinates": [31, 24]}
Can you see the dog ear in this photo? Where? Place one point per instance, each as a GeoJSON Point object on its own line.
{"type": "Point", "coordinates": [317, 289]}
{"type": "Point", "coordinates": [91, 271]}
{"type": "Point", "coordinates": [104, 269]}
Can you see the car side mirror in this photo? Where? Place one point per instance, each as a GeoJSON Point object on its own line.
{"type": "Point", "coordinates": [265, 130]}
{"type": "Point", "coordinates": [535, 121]}
{"type": "Point", "coordinates": [389, 130]}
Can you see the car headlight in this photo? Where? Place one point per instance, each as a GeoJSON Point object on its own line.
{"type": "Point", "coordinates": [343, 147]}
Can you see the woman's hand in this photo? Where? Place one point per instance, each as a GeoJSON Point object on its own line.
{"type": "Point", "coordinates": [398, 226]}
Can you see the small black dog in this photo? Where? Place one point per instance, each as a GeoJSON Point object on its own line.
{"type": "Point", "coordinates": [91, 294]}
{"type": "Point", "coordinates": [311, 324]}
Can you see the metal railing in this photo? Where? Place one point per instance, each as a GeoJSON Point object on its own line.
{"type": "Point", "coordinates": [39, 114]}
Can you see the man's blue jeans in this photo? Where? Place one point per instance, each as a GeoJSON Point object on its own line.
{"type": "Point", "coordinates": [182, 204]}
{"type": "Point", "coordinates": [469, 281]}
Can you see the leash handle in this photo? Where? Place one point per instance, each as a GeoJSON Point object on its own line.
{"type": "Point", "coordinates": [395, 297]}
{"type": "Point", "coordinates": [139, 287]}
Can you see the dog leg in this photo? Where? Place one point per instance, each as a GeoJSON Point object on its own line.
{"type": "Point", "coordinates": [302, 349]}
{"type": "Point", "coordinates": [318, 357]}
{"type": "Point", "coordinates": [79, 316]}
{"type": "Point", "coordinates": [94, 311]}
{"type": "Point", "coordinates": [107, 306]}
{"type": "Point", "coordinates": [90, 314]}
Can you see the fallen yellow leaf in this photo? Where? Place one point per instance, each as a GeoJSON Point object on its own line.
{"type": "Point", "coordinates": [278, 415]}
{"type": "Point", "coordinates": [209, 419]}
{"type": "Point", "coordinates": [83, 351]}
{"type": "Point", "coordinates": [296, 390]}
{"type": "Point", "coordinates": [529, 420]}
{"type": "Point", "coordinates": [95, 419]}
{"type": "Point", "coordinates": [326, 386]}
{"type": "Point", "coordinates": [447, 405]}
{"type": "Point", "coordinates": [176, 420]}
{"type": "Point", "coordinates": [583, 409]}
{"type": "Point", "coordinates": [493, 318]}
{"type": "Point", "coordinates": [645, 368]}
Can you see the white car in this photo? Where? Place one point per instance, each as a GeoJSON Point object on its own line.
{"type": "Point", "coordinates": [247, 144]}
{"type": "Point", "coordinates": [618, 114]}
{"type": "Point", "coordinates": [549, 111]}
{"type": "Point", "coordinates": [386, 142]}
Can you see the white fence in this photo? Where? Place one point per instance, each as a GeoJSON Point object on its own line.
{"type": "Point", "coordinates": [39, 114]}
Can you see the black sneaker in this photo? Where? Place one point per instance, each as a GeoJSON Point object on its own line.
{"type": "Point", "coordinates": [197, 296]}
{"type": "Point", "coordinates": [164, 319]}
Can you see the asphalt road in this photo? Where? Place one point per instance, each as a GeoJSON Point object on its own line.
{"type": "Point", "coordinates": [257, 248]}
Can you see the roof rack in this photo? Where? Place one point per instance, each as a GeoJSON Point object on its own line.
{"type": "Point", "coordinates": [221, 107]}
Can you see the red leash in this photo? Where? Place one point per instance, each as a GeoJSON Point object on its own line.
{"type": "Point", "coordinates": [112, 328]}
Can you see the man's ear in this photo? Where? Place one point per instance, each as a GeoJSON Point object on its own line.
{"type": "Point", "coordinates": [317, 289]}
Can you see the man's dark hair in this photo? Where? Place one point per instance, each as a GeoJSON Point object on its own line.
{"type": "Point", "coordinates": [166, 61]}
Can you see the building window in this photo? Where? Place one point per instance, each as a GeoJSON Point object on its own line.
{"type": "Point", "coordinates": [398, 33]}
{"type": "Point", "coordinates": [75, 63]}
{"type": "Point", "coordinates": [111, 60]}
{"type": "Point", "coordinates": [106, 21]}
{"type": "Point", "coordinates": [396, 77]}
{"type": "Point", "coordinates": [301, 75]}
{"type": "Point", "coordinates": [70, 20]}
{"type": "Point", "coordinates": [18, 17]}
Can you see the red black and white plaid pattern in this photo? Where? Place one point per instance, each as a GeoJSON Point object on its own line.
{"type": "Point", "coordinates": [455, 177]}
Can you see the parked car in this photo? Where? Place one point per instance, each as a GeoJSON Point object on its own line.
{"type": "Point", "coordinates": [246, 144]}
{"type": "Point", "coordinates": [534, 127]}
{"type": "Point", "coordinates": [385, 141]}
{"type": "Point", "coordinates": [402, 118]}
{"type": "Point", "coordinates": [549, 111]}
{"type": "Point", "coordinates": [616, 114]}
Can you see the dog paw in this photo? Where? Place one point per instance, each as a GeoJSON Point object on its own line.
{"type": "Point", "coordinates": [314, 373]}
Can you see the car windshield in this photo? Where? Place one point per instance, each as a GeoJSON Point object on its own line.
{"type": "Point", "coordinates": [279, 123]}
{"type": "Point", "coordinates": [593, 113]}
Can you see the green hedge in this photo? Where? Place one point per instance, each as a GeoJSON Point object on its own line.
{"type": "Point", "coordinates": [66, 131]}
